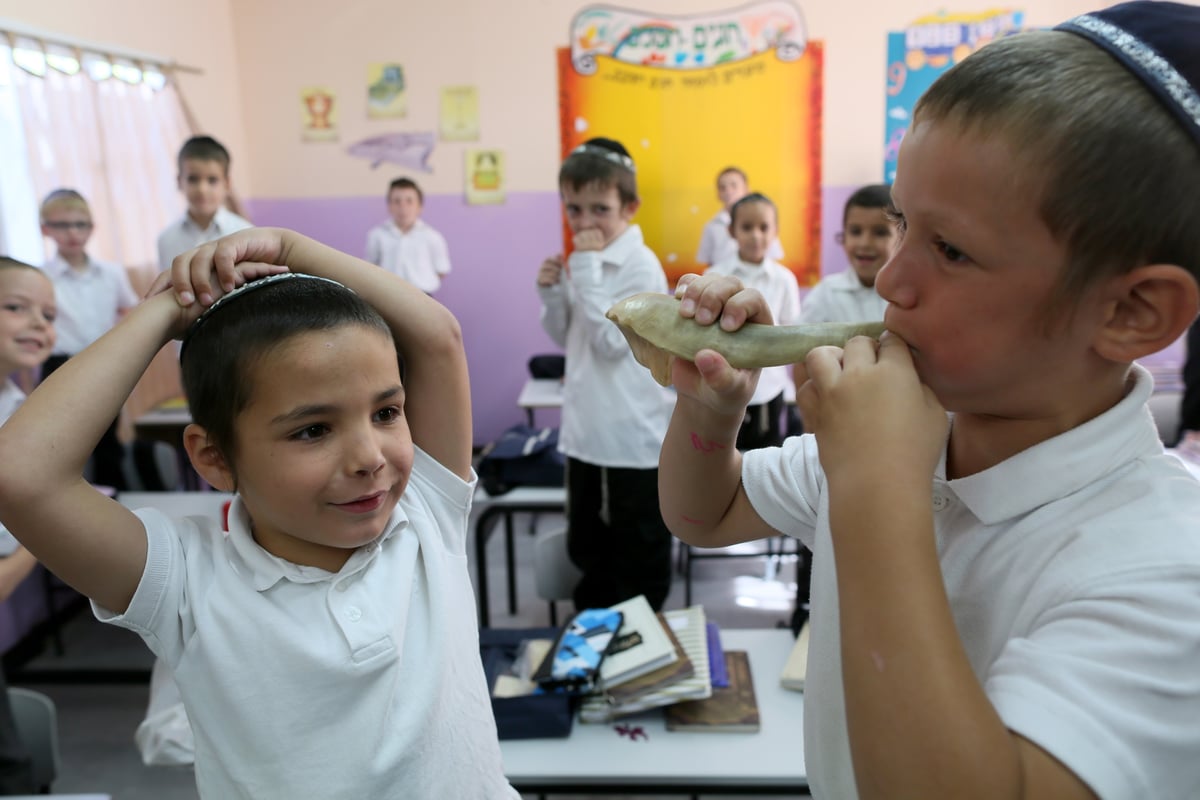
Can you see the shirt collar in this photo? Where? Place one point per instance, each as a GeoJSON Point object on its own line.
{"type": "Point", "coordinates": [219, 224]}
{"type": "Point", "coordinates": [1060, 466]}
{"type": "Point", "coordinates": [420, 223]}
{"type": "Point", "coordinates": [847, 281]}
{"type": "Point", "coordinates": [622, 247]}
{"type": "Point", "coordinates": [58, 266]}
{"type": "Point", "coordinates": [266, 569]}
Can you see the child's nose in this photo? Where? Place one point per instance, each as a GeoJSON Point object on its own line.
{"type": "Point", "coordinates": [365, 456]}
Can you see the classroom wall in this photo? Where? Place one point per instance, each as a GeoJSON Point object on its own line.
{"type": "Point", "coordinates": [257, 55]}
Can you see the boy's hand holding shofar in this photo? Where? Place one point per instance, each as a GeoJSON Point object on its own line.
{"type": "Point", "coordinates": [658, 334]}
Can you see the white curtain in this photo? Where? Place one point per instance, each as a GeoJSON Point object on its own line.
{"type": "Point", "coordinates": [108, 128]}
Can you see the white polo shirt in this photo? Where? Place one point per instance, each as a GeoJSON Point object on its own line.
{"type": "Point", "coordinates": [303, 683]}
{"type": "Point", "coordinates": [90, 301]}
{"type": "Point", "coordinates": [778, 285]}
{"type": "Point", "coordinates": [11, 398]}
{"type": "Point", "coordinates": [614, 413]}
{"type": "Point", "coordinates": [1073, 572]}
{"type": "Point", "coordinates": [420, 256]}
{"type": "Point", "coordinates": [184, 234]}
{"type": "Point", "coordinates": [841, 297]}
{"type": "Point", "coordinates": [716, 245]}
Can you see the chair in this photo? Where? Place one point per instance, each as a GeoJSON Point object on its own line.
{"type": "Point", "coordinates": [554, 575]}
{"type": "Point", "coordinates": [37, 724]}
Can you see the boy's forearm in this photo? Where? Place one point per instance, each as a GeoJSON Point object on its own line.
{"type": "Point", "coordinates": [920, 724]}
{"type": "Point", "coordinates": [699, 472]}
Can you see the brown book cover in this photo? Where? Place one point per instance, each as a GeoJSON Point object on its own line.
{"type": "Point", "coordinates": [733, 709]}
{"type": "Point", "coordinates": [652, 681]}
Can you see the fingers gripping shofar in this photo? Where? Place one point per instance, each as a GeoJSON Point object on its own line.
{"type": "Point", "coordinates": [657, 334]}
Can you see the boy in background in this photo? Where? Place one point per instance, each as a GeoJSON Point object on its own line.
{"type": "Point", "coordinates": [866, 236]}
{"type": "Point", "coordinates": [614, 415]}
{"type": "Point", "coordinates": [27, 314]}
{"type": "Point", "coordinates": [91, 296]}
{"type": "Point", "coordinates": [204, 181]}
{"type": "Point", "coordinates": [406, 245]}
{"type": "Point", "coordinates": [754, 226]}
{"type": "Point", "coordinates": [1005, 602]}
{"type": "Point", "coordinates": [716, 242]}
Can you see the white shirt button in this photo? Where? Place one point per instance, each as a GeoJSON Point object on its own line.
{"type": "Point", "coordinates": [354, 613]}
{"type": "Point", "coordinates": [940, 502]}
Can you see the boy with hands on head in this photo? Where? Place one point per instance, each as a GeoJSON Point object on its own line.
{"type": "Point", "coordinates": [1004, 595]}
{"type": "Point", "coordinates": [340, 599]}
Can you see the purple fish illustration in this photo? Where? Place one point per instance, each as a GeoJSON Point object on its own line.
{"type": "Point", "coordinates": [408, 149]}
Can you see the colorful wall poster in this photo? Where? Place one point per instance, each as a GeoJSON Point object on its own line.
{"type": "Point", "coordinates": [459, 114]}
{"type": "Point", "coordinates": [922, 52]}
{"type": "Point", "coordinates": [408, 149]}
{"type": "Point", "coordinates": [691, 95]}
{"type": "Point", "coordinates": [318, 115]}
{"type": "Point", "coordinates": [386, 98]}
{"type": "Point", "coordinates": [484, 175]}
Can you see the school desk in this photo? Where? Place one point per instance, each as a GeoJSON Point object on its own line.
{"type": "Point", "coordinates": [638, 755]}
{"type": "Point", "coordinates": [540, 393]}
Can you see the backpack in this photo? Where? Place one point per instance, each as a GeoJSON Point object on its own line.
{"type": "Point", "coordinates": [522, 456]}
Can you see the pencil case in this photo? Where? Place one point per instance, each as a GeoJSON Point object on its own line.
{"type": "Point", "coordinates": [573, 665]}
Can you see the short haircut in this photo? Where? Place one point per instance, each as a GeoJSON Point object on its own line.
{"type": "Point", "coordinates": [64, 200]}
{"type": "Point", "coordinates": [753, 197]}
{"type": "Point", "coordinates": [873, 195]}
{"type": "Point", "coordinates": [591, 163]}
{"type": "Point", "coordinates": [204, 148]}
{"type": "Point", "coordinates": [1107, 167]}
{"type": "Point", "coordinates": [733, 171]}
{"type": "Point", "coordinates": [406, 183]}
{"type": "Point", "coordinates": [7, 263]}
{"type": "Point", "coordinates": [221, 350]}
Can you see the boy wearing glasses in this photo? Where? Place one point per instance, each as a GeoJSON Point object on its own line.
{"type": "Point", "coordinates": [91, 295]}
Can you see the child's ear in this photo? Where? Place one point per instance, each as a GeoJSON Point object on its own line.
{"type": "Point", "coordinates": [629, 209]}
{"type": "Point", "coordinates": [207, 458]}
{"type": "Point", "coordinates": [1149, 310]}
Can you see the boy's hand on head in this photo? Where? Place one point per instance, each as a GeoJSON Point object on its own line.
{"type": "Point", "coordinates": [590, 239]}
{"type": "Point", "coordinates": [712, 297]}
{"type": "Point", "coordinates": [227, 260]}
{"type": "Point", "coordinates": [550, 272]}
{"type": "Point", "coordinates": [870, 412]}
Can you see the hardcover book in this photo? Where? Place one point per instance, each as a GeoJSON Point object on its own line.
{"type": "Point", "coordinates": [640, 646]}
{"type": "Point", "coordinates": [734, 709]}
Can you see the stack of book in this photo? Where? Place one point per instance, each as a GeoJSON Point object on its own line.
{"type": "Point", "coordinates": [733, 709]}
{"type": "Point", "coordinates": [685, 675]}
{"type": "Point", "coordinates": [795, 670]}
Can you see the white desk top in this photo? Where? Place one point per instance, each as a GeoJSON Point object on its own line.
{"type": "Point", "coordinates": [596, 755]}
{"type": "Point", "coordinates": [173, 416]}
{"type": "Point", "coordinates": [541, 393]}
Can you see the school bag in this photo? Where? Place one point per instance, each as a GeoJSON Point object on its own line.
{"type": "Point", "coordinates": [522, 456]}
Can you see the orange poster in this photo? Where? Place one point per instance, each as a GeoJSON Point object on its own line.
{"type": "Point", "coordinates": [689, 96]}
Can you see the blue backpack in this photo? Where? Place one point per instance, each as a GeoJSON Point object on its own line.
{"type": "Point", "coordinates": [522, 456]}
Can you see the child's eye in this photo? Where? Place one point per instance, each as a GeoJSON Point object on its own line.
{"type": "Point", "coordinates": [16, 308]}
{"type": "Point", "coordinates": [389, 414]}
{"type": "Point", "coordinates": [950, 252]}
{"type": "Point", "coordinates": [310, 433]}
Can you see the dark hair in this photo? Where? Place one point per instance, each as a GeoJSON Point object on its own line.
{"type": "Point", "coordinates": [873, 195]}
{"type": "Point", "coordinates": [204, 148]}
{"type": "Point", "coordinates": [753, 197]}
{"type": "Point", "coordinates": [589, 163]}
{"type": "Point", "coordinates": [1108, 169]}
{"type": "Point", "coordinates": [733, 171]}
{"type": "Point", "coordinates": [406, 183]}
{"type": "Point", "coordinates": [222, 348]}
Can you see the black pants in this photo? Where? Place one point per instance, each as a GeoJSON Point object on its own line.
{"type": "Point", "coordinates": [616, 535]}
{"type": "Point", "coordinates": [106, 458]}
{"type": "Point", "coordinates": [761, 426]}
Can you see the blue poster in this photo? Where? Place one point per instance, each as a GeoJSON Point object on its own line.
{"type": "Point", "coordinates": [922, 52]}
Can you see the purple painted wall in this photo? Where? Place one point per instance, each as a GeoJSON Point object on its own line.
{"type": "Point", "coordinates": [495, 251]}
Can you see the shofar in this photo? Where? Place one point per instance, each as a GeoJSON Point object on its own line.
{"type": "Point", "coordinates": [657, 334]}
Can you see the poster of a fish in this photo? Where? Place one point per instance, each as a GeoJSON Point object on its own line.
{"type": "Point", "coordinates": [408, 149]}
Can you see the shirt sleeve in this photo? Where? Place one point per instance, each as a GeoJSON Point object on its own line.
{"type": "Point", "coordinates": [597, 292]}
{"type": "Point", "coordinates": [784, 486]}
{"type": "Point", "coordinates": [440, 253]}
{"type": "Point", "coordinates": [815, 307]}
{"type": "Point", "coordinates": [556, 311]}
{"type": "Point", "coordinates": [126, 297]}
{"type": "Point", "coordinates": [374, 248]}
{"type": "Point", "coordinates": [789, 308]}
